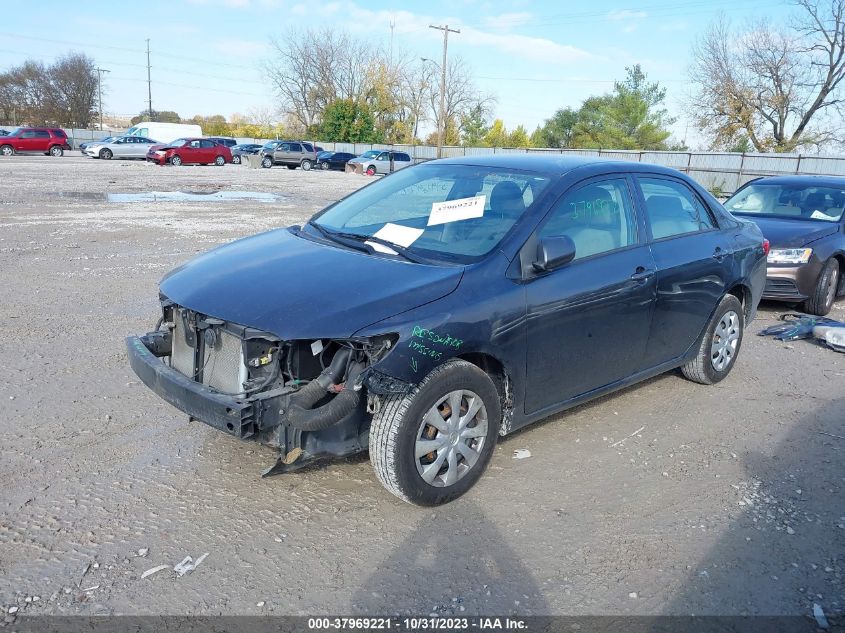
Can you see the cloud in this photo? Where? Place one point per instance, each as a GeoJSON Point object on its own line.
{"type": "Point", "coordinates": [507, 20]}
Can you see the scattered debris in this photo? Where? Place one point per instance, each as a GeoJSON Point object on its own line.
{"type": "Point", "coordinates": [259, 604]}
{"type": "Point", "coordinates": [13, 610]}
{"type": "Point", "coordinates": [154, 570]}
{"type": "Point", "coordinates": [639, 430]}
{"type": "Point", "coordinates": [84, 571]}
{"type": "Point", "coordinates": [633, 594]}
{"type": "Point", "coordinates": [789, 530]}
{"type": "Point", "coordinates": [521, 453]}
{"type": "Point", "coordinates": [143, 551]}
{"type": "Point", "coordinates": [818, 613]}
{"type": "Point", "coordinates": [188, 564]}
{"type": "Point", "coordinates": [92, 588]}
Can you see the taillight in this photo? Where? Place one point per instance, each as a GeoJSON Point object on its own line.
{"type": "Point", "coordinates": [766, 247]}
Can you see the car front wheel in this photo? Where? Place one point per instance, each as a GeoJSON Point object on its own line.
{"type": "Point", "coordinates": [431, 445]}
{"type": "Point", "coordinates": [266, 162]}
{"type": "Point", "coordinates": [7, 150]}
{"type": "Point", "coordinates": [175, 161]}
{"type": "Point", "coordinates": [824, 294]}
{"type": "Point", "coordinates": [371, 170]}
{"type": "Point", "coordinates": [306, 165]}
{"type": "Point", "coordinates": [719, 345]}
{"type": "Point", "coordinates": [324, 166]}
{"type": "Point", "coordinates": [236, 160]}
{"type": "Point", "coordinates": [106, 154]}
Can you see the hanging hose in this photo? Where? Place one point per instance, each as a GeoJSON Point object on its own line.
{"type": "Point", "coordinates": [304, 418]}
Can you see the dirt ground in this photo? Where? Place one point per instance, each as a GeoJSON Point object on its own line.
{"type": "Point", "coordinates": [729, 499]}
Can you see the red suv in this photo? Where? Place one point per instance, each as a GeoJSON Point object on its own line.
{"type": "Point", "coordinates": [44, 140]}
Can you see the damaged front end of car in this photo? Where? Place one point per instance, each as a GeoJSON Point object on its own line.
{"type": "Point", "coordinates": [308, 399]}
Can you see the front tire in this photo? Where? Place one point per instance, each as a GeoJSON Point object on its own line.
{"type": "Point", "coordinates": [106, 154]}
{"type": "Point", "coordinates": [236, 160]}
{"type": "Point", "coordinates": [371, 170]}
{"type": "Point", "coordinates": [425, 453]}
{"type": "Point", "coordinates": [324, 166]}
{"type": "Point", "coordinates": [7, 150]}
{"type": "Point", "coordinates": [824, 294]}
{"type": "Point", "coordinates": [175, 161]}
{"type": "Point", "coordinates": [306, 165]}
{"type": "Point", "coordinates": [719, 345]}
{"type": "Point", "coordinates": [266, 162]}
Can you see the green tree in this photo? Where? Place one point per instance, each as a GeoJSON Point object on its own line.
{"type": "Point", "coordinates": [348, 121]}
{"type": "Point", "coordinates": [631, 117]}
{"type": "Point", "coordinates": [214, 125]}
{"type": "Point", "coordinates": [518, 138]}
{"type": "Point", "coordinates": [159, 116]}
{"type": "Point", "coordinates": [474, 125]}
{"type": "Point", "coordinates": [497, 135]}
{"type": "Point", "coordinates": [557, 131]}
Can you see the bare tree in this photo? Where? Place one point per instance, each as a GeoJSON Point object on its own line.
{"type": "Point", "coordinates": [73, 88]}
{"type": "Point", "coordinates": [418, 79]}
{"type": "Point", "coordinates": [460, 97]}
{"type": "Point", "coordinates": [779, 88]}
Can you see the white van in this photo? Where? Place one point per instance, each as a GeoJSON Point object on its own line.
{"type": "Point", "coordinates": [164, 132]}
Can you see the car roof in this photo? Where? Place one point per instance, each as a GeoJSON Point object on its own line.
{"type": "Point", "coordinates": [802, 181]}
{"type": "Point", "coordinates": [555, 164]}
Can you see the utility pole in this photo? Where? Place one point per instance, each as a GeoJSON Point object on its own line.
{"type": "Point", "coordinates": [392, 26]}
{"type": "Point", "coordinates": [441, 124]}
{"type": "Point", "coordinates": [100, 72]}
{"type": "Point", "coordinates": [149, 83]}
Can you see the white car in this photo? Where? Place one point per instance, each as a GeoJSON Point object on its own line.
{"type": "Point", "coordinates": [120, 147]}
{"type": "Point", "coordinates": [384, 163]}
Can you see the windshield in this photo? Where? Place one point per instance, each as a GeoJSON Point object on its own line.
{"type": "Point", "coordinates": [799, 202]}
{"type": "Point", "coordinates": [452, 212]}
{"type": "Point", "coordinates": [178, 142]}
{"type": "Point", "coordinates": [370, 154]}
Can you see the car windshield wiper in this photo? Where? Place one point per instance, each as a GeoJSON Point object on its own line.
{"type": "Point", "coordinates": [358, 241]}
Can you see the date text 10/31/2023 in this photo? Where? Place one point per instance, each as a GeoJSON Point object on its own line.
{"type": "Point", "coordinates": [431, 623]}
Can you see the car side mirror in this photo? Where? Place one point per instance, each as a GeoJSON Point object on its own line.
{"type": "Point", "coordinates": [554, 252]}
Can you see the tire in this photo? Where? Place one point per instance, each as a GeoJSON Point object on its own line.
{"type": "Point", "coordinates": [291, 166]}
{"type": "Point", "coordinates": [371, 170]}
{"type": "Point", "coordinates": [7, 150]}
{"type": "Point", "coordinates": [824, 294]}
{"type": "Point", "coordinates": [266, 162]}
{"type": "Point", "coordinates": [324, 166]}
{"type": "Point", "coordinates": [400, 426]}
{"type": "Point", "coordinates": [306, 165]}
{"type": "Point", "coordinates": [236, 160]}
{"type": "Point", "coordinates": [176, 161]}
{"type": "Point", "coordinates": [220, 161]}
{"type": "Point", "coordinates": [719, 345]}
{"type": "Point", "coordinates": [106, 154]}
{"type": "Point", "coordinates": [56, 151]}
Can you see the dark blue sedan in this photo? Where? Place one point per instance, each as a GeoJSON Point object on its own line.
{"type": "Point", "coordinates": [447, 304]}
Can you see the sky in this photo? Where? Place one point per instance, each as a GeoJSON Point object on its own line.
{"type": "Point", "coordinates": [533, 56]}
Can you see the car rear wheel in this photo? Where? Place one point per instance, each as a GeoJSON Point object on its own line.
{"type": "Point", "coordinates": [56, 151]}
{"type": "Point", "coordinates": [371, 170]}
{"type": "Point", "coordinates": [106, 154]}
{"type": "Point", "coordinates": [7, 150]}
{"type": "Point", "coordinates": [266, 162]}
{"type": "Point", "coordinates": [306, 165]}
{"type": "Point", "coordinates": [219, 161]}
{"type": "Point", "coordinates": [175, 161]}
{"type": "Point", "coordinates": [719, 345]}
{"type": "Point", "coordinates": [325, 166]}
{"type": "Point", "coordinates": [824, 294]}
{"type": "Point", "coordinates": [431, 445]}
{"type": "Point", "coordinates": [236, 160]}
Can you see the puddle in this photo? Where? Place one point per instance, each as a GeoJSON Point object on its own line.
{"type": "Point", "coordinates": [187, 196]}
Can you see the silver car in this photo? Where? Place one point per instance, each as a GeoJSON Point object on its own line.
{"type": "Point", "coordinates": [384, 163]}
{"type": "Point", "coordinates": [120, 147]}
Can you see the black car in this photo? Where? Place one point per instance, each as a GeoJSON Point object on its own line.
{"type": "Point", "coordinates": [804, 219]}
{"type": "Point", "coordinates": [223, 140]}
{"type": "Point", "coordinates": [449, 303]}
{"type": "Point", "coordinates": [333, 160]}
{"type": "Point", "coordinates": [4, 132]}
{"type": "Point", "coordinates": [242, 149]}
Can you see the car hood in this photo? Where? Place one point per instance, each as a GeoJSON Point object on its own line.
{"type": "Point", "coordinates": [296, 288]}
{"type": "Point", "coordinates": [783, 233]}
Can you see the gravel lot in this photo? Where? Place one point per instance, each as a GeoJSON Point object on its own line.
{"type": "Point", "coordinates": [729, 501]}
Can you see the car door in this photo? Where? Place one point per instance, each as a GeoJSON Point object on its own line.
{"type": "Point", "coordinates": [209, 150]}
{"type": "Point", "coordinates": [693, 257]}
{"type": "Point", "coordinates": [27, 141]}
{"type": "Point", "coordinates": [382, 163]}
{"type": "Point", "coordinates": [588, 322]}
{"type": "Point", "coordinates": [193, 152]}
{"type": "Point", "coordinates": [122, 147]}
{"type": "Point", "coordinates": [41, 140]}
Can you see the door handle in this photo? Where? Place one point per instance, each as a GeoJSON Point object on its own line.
{"type": "Point", "coordinates": [719, 254]}
{"type": "Point", "coordinates": [642, 273]}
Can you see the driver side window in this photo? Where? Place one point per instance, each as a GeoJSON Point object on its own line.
{"type": "Point", "coordinates": [598, 217]}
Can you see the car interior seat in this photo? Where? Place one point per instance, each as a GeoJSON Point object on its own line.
{"type": "Point", "coordinates": [667, 216]}
{"type": "Point", "coordinates": [787, 203]}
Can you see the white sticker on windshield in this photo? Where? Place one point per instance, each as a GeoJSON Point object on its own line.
{"type": "Point", "coordinates": [454, 210]}
{"type": "Point", "coordinates": [396, 234]}
{"type": "Point", "coordinates": [821, 215]}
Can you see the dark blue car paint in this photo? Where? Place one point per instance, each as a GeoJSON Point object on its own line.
{"type": "Point", "coordinates": [593, 326]}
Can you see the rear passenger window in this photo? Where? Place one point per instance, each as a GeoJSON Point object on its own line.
{"type": "Point", "coordinates": [597, 217]}
{"type": "Point", "coordinates": [295, 147]}
{"type": "Point", "coordinates": [672, 209]}
{"type": "Point", "coordinates": [41, 134]}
